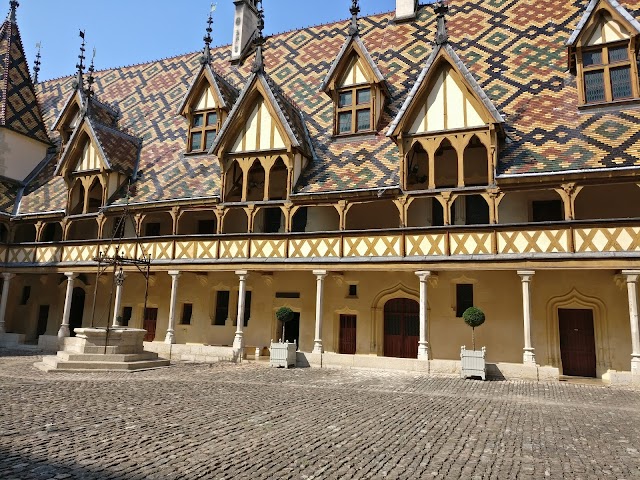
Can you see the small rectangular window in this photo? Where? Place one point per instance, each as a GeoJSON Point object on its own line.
{"type": "Point", "coordinates": [353, 290]}
{"type": "Point", "coordinates": [210, 137]}
{"type": "Point", "coordinates": [594, 86]}
{"type": "Point", "coordinates": [464, 298]}
{"type": "Point", "coordinates": [299, 223]}
{"type": "Point", "coordinates": [26, 294]}
{"type": "Point", "coordinates": [247, 307]}
{"type": "Point", "coordinates": [363, 96]}
{"type": "Point", "coordinates": [364, 120]}
{"type": "Point", "coordinates": [437, 213]}
{"type": "Point", "coordinates": [272, 220]}
{"type": "Point", "coordinates": [206, 227]}
{"type": "Point", "coordinates": [152, 229]}
{"type": "Point", "coordinates": [198, 120]}
{"type": "Point", "coordinates": [187, 311]}
{"type": "Point", "coordinates": [346, 99]}
{"type": "Point", "coordinates": [592, 57]}
{"type": "Point", "coordinates": [620, 82]}
{"type": "Point", "coordinates": [212, 119]}
{"type": "Point", "coordinates": [344, 122]}
{"type": "Point", "coordinates": [618, 54]}
{"type": "Point", "coordinates": [118, 228]}
{"type": "Point", "coordinates": [287, 294]}
{"type": "Point", "coordinates": [222, 307]}
{"type": "Point", "coordinates": [126, 316]}
{"type": "Point", "coordinates": [547, 211]}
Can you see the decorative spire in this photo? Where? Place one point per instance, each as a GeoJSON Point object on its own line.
{"type": "Point", "coordinates": [258, 65]}
{"type": "Point", "coordinates": [442, 36]}
{"type": "Point", "coordinates": [91, 79]}
{"type": "Point", "coordinates": [12, 13]}
{"type": "Point", "coordinates": [37, 63]}
{"type": "Point", "coordinates": [206, 54]}
{"type": "Point", "coordinates": [79, 81]}
{"type": "Point", "coordinates": [354, 29]}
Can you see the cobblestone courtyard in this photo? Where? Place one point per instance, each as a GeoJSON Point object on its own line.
{"type": "Point", "coordinates": [249, 421]}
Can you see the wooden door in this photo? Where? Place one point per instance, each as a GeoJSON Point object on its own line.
{"type": "Point", "coordinates": [577, 342]}
{"type": "Point", "coordinates": [292, 330]}
{"type": "Point", "coordinates": [150, 321]}
{"type": "Point", "coordinates": [347, 334]}
{"type": "Point", "coordinates": [77, 310]}
{"type": "Point", "coordinates": [401, 328]}
{"type": "Point", "coordinates": [43, 319]}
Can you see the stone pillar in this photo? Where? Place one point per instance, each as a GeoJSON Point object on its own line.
{"type": "Point", "coordinates": [423, 344]}
{"type": "Point", "coordinates": [317, 341]}
{"type": "Point", "coordinates": [64, 328]}
{"type": "Point", "coordinates": [120, 276]}
{"type": "Point", "coordinates": [171, 337]}
{"type": "Point", "coordinates": [632, 291]}
{"type": "Point", "coordinates": [238, 340]}
{"type": "Point", "coordinates": [529, 356]}
{"type": "Point", "coordinates": [6, 277]}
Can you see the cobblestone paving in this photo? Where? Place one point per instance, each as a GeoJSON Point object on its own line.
{"type": "Point", "coordinates": [249, 421]}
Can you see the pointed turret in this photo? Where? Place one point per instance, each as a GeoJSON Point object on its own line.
{"type": "Point", "coordinates": [22, 130]}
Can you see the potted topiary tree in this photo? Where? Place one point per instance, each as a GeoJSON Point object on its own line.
{"type": "Point", "coordinates": [282, 353]}
{"type": "Point", "coordinates": [473, 361]}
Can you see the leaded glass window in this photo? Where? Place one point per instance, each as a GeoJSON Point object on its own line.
{"type": "Point", "coordinates": [354, 117]}
{"type": "Point", "coordinates": [607, 73]}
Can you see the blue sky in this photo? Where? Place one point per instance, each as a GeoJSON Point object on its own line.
{"type": "Point", "coordinates": [126, 32]}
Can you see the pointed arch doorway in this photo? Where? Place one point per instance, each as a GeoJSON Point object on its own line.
{"type": "Point", "coordinates": [401, 328]}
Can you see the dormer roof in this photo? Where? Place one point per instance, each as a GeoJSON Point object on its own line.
{"type": "Point", "coordinates": [97, 110]}
{"type": "Point", "coordinates": [19, 108]}
{"type": "Point", "coordinates": [631, 22]}
{"type": "Point", "coordinates": [226, 93]}
{"type": "Point", "coordinates": [443, 50]}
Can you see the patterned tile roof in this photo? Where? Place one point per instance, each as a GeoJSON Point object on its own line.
{"type": "Point", "coordinates": [45, 192]}
{"type": "Point", "coordinates": [19, 109]}
{"type": "Point", "coordinates": [8, 194]}
{"type": "Point", "coordinates": [515, 49]}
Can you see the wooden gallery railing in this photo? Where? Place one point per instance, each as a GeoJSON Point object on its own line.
{"type": "Point", "coordinates": [600, 239]}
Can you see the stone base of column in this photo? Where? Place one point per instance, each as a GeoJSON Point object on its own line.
{"type": "Point", "coordinates": [423, 351]}
{"type": "Point", "coordinates": [64, 332]}
{"type": "Point", "coordinates": [635, 366]}
{"type": "Point", "coordinates": [170, 338]}
{"type": "Point", "coordinates": [238, 341]}
{"type": "Point", "coordinates": [529, 356]}
{"type": "Point", "coordinates": [317, 346]}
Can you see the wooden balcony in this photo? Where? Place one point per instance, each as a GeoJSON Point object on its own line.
{"type": "Point", "coordinates": [599, 239]}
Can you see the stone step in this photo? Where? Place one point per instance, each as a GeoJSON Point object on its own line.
{"type": "Point", "coordinates": [51, 363]}
{"type": "Point", "coordinates": [131, 357]}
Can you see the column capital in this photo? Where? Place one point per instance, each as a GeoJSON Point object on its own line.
{"type": "Point", "coordinates": [8, 276]}
{"type": "Point", "coordinates": [632, 276]}
{"type": "Point", "coordinates": [174, 273]}
{"type": "Point", "coordinates": [70, 275]}
{"type": "Point", "coordinates": [526, 275]}
{"type": "Point", "coordinates": [320, 273]}
{"type": "Point", "coordinates": [243, 274]}
{"type": "Point", "coordinates": [424, 275]}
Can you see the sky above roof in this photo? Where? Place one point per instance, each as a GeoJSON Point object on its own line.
{"type": "Point", "coordinates": [127, 32]}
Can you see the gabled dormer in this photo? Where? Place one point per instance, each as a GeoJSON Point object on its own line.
{"type": "Point", "coordinates": [207, 102]}
{"type": "Point", "coordinates": [447, 130]}
{"type": "Point", "coordinates": [96, 162]}
{"type": "Point", "coordinates": [356, 86]}
{"type": "Point", "coordinates": [23, 135]}
{"type": "Point", "coordinates": [264, 145]}
{"type": "Point", "coordinates": [603, 53]}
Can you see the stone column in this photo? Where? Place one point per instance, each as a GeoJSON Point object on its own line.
{"type": "Point", "coordinates": [64, 328]}
{"type": "Point", "coordinates": [529, 356]}
{"type": "Point", "coordinates": [423, 344]}
{"type": "Point", "coordinates": [238, 341]}
{"type": "Point", "coordinates": [120, 276]}
{"type": "Point", "coordinates": [317, 341]}
{"type": "Point", "coordinates": [6, 277]}
{"type": "Point", "coordinates": [632, 291]}
{"type": "Point", "coordinates": [171, 337]}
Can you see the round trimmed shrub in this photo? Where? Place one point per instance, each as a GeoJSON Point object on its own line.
{"type": "Point", "coordinates": [473, 316]}
{"type": "Point", "coordinates": [284, 314]}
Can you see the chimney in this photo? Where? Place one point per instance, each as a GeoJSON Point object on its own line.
{"type": "Point", "coordinates": [406, 9]}
{"type": "Point", "coordinates": [244, 27]}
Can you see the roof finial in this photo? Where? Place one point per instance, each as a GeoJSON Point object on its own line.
{"type": "Point", "coordinates": [79, 81]}
{"type": "Point", "coordinates": [354, 29]}
{"type": "Point", "coordinates": [258, 65]}
{"type": "Point", "coordinates": [206, 54]}
{"type": "Point", "coordinates": [91, 79]}
{"type": "Point", "coordinates": [37, 63]}
{"type": "Point", "coordinates": [442, 36]}
{"type": "Point", "coordinates": [12, 13]}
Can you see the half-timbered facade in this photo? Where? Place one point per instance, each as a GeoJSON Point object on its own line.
{"type": "Point", "coordinates": [376, 175]}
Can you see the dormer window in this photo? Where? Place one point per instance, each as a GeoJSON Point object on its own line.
{"type": "Point", "coordinates": [205, 123]}
{"type": "Point", "coordinates": [354, 110]}
{"type": "Point", "coordinates": [602, 53]}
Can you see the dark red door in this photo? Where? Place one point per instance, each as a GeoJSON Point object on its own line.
{"type": "Point", "coordinates": [577, 342]}
{"type": "Point", "coordinates": [401, 328]}
{"type": "Point", "coordinates": [150, 320]}
{"type": "Point", "coordinates": [348, 334]}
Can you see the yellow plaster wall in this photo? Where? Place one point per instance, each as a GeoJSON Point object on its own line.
{"type": "Point", "coordinates": [19, 155]}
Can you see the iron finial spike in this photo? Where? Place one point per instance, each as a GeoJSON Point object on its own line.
{"type": "Point", "coordinates": [206, 55]}
{"type": "Point", "coordinates": [91, 78]}
{"type": "Point", "coordinates": [80, 65]}
{"type": "Point", "coordinates": [258, 65]}
{"type": "Point", "coordinates": [37, 63]}
{"type": "Point", "coordinates": [354, 29]}
{"type": "Point", "coordinates": [12, 13]}
{"type": "Point", "coordinates": [441, 9]}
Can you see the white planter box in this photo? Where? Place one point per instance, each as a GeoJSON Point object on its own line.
{"type": "Point", "coordinates": [473, 364]}
{"type": "Point", "coordinates": [283, 354]}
